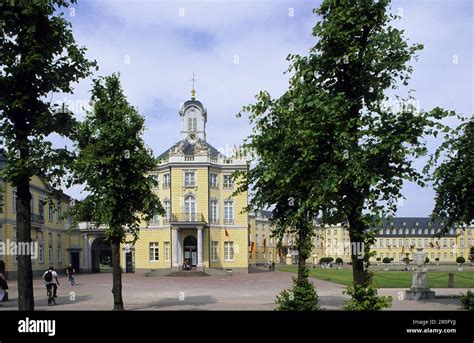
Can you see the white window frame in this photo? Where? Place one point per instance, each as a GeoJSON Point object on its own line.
{"type": "Point", "coordinates": [214, 180]}
{"type": "Point", "coordinates": [167, 251]}
{"type": "Point", "coordinates": [166, 180]}
{"type": "Point", "coordinates": [214, 211]}
{"type": "Point", "coordinates": [153, 251]}
{"type": "Point", "coordinates": [189, 178]}
{"type": "Point", "coordinates": [230, 184]}
{"type": "Point", "coordinates": [229, 212]}
{"type": "Point", "coordinates": [228, 251]}
{"type": "Point", "coordinates": [214, 251]}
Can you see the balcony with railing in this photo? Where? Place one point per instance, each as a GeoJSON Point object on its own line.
{"type": "Point", "coordinates": [37, 219]}
{"type": "Point", "coordinates": [187, 218]}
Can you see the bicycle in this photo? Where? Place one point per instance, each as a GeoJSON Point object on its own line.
{"type": "Point", "coordinates": [50, 295]}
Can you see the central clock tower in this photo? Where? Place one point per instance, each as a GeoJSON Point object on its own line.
{"type": "Point", "coordinates": [193, 119]}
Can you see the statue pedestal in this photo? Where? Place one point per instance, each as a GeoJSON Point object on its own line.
{"type": "Point", "coordinates": [419, 294]}
{"type": "Point", "coordinates": [288, 259]}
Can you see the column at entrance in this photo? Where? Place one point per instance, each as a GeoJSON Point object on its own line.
{"type": "Point", "coordinates": [199, 247]}
{"type": "Point", "coordinates": [175, 247]}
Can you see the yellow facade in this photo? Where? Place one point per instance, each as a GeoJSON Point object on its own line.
{"type": "Point", "coordinates": [396, 241]}
{"type": "Point", "coordinates": [261, 237]}
{"type": "Point", "coordinates": [54, 244]}
{"type": "Point", "coordinates": [204, 224]}
{"type": "Point", "coordinates": [404, 236]}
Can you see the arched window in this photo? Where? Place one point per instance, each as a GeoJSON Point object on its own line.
{"type": "Point", "coordinates": [394, 232]}
{"type": "Point", "coordinates": [412, 231]}
{"type": "Point", "coordinates": [190, 207]}
{"type": "Point", "coordinates": [400, 231]}
{"type": "Point", "coordinates": [425, 231]}
{"type": "Point", "coordinates": [407, 231]}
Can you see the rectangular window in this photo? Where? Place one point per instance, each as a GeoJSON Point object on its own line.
{"type": "Point", "coordinates": [41, 253]}
{"type": "Point", "coordinates": [419, 243]}
{"type": "Point", "coordinates": [400, 243]}
{"type": "Point", "coordinates": [213, 180]}
{"type": "Point", "coordinates": [166, 180]}
{"type": "Point", "coordinates": [155, 220]}
{"type": "Point", "coordinates": [14, 202]}
{"type": "Point", "coordinates": [59, 214]}
{"type": "Point", "coordinates": [167, 207]}
{"type": "Point", "coordinates": [469, 242]}
{"type": "Point", "coordinates": [228, 181]}
{"type": "Point", "coordinates": [214, 255]}
{"type": "Point", "coordinates": [41, 207]}
{"type": "Point", "coordinates": [50, 253]}
{"type": "Point", "coordinates": [228, 251]}
{"type": "Point", "coordinates": [192, 124]}
{"type": "Point", "coordinates": [256, 239]}
{"type": "Point", "coordinates": [167, 252]}
{"type": "Point", "coordinates": [50, 213]}
{"type": "Point", "coordinates": [214, 212]}
{"type": "Point", "coordinates": [189, 178]}
{"type": "Point", "coordinates": [228, 212]}
{"type": "Point", "coordinates": [154, 252]}
{"type": "Point", "coordinates": [462, 242]}
{"type": "Point", "coordinates": [60, 249]}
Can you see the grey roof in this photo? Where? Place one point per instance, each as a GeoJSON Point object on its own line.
{"type": "Point", "coordinates": [188, 149]}
{"type": "Point", "coordinates": [194, 102]}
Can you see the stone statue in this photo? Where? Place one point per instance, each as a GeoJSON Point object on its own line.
{"type": "Point", "coordinates": [419, 289]}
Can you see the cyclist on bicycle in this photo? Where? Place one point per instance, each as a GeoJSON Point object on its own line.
{"type": "Point", "coordinates": [50, 278]}
{"type": "Point", "coordinates": [70, 272]}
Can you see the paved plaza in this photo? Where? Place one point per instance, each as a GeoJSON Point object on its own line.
{"type": "Point", "coordinates": [254, 291]}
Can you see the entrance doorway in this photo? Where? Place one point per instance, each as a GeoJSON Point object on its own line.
{"type": "Point", "coordinates": [75, 261]}
{"type": "Point", "coordinates": [190, 250]}
{"type": "Point", "coordinates": [101, 252]}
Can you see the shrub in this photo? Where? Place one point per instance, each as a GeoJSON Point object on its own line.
{"type": "Point", "coordinates": [467, 301]}
{"type": "Point", "coordinates": [386, 260]}
{"type": "Point", "coordinates": [302, 297]}
{"type": "Point", "coordinates": [437, 259]}
{"type": "Point", "coordinates": [326, 260]}
{"type": "Point", "coordinates": [339, 260]}
{"type": "Point", "coordinates": [427, 260]}
{"type": "Point", "coordinates": [460, 259]}
{"type": "Point", "coordinates": [365, 299]}
{"type": "Point", "coordinates": [379, 259]}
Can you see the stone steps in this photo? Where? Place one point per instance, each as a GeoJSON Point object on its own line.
{"type": "Point", "coordinates": [191, 273]}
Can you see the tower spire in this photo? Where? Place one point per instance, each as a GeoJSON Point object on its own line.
{"type": "Point", "coordinates": [193, 91]}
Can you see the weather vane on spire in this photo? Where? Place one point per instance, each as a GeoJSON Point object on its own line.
{"type": "Point", "coordinates": [193, 91]}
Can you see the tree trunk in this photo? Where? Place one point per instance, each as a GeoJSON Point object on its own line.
{"type": "Point", "coordinates": [23, 234]}
{"type": "Point", "coordinates": [303, 252]}
{"type": "Point", "coordinates": [357, 244]}
{"type": "Point", "coordinates": [117, 276]}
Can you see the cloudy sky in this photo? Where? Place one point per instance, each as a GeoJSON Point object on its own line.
{"type": "Point", "coordinates": [237, 48]}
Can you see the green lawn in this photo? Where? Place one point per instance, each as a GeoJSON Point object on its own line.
{"type": "Point", "coordinates": [388, 279]}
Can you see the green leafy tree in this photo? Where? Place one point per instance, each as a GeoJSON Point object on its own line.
{"type": "Point", "coordinates": [335, 142]}
{"type": "Point", "coordinates": [114, 164]}
{"type": "Point", "coordinates": [453, 178]}
{"type": "Point", "coordinates": [38, 57]}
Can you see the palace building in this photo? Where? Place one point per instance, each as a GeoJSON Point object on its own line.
{"type": "Point", "coordinates": [395, 240]}
{"type": "Point", "coordinates": [49, 231]}
{"type": "Point", "coordinates": [204, 225]}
